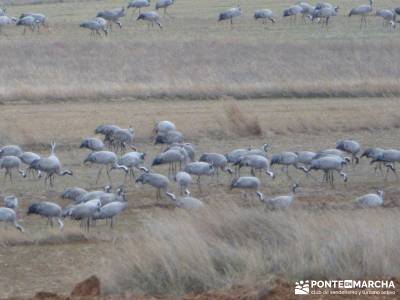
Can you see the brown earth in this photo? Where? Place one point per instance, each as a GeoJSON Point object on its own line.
{"type": "Point", "coordinates": [90, 289]}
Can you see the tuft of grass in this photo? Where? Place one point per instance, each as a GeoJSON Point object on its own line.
{"type": "Point", "coordinates": [241, 123]}
{"type": "Point", "coordinates": [224, 245]}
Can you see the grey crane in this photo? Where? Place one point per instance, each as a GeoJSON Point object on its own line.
{"type": "Point", "coordinates": [324, 13]}
{"type": "Point", "coordinates": [6, 21]}
{"type": "Point", "coordinates": [163, 127]}
{"type": "Point", "coordinates": [138, 5]}
{"type": "Point", "coordinates": [305, 157]}
{"type": "Point", "coordinates": [83, 211]}
{"type": "Point", "coordinates": [286, 159]}
{"type": "Point", "coordinates": [219, 161]}
{"type": "Point", "coordinates": [10, 150]}
{"type": "Point", "coordinates": [112, 16]}
{"type": "Point", "coordinates": [85, 197]}
{"type": "Point", "coordinates": [95, 25]}
{"type": "Point", "coordinates": [47, 210]}
{"type": "Point", "coordinates": [374, 153]}
{"type": "Point", "coordinates": [41, 19]}
{"type": "Point", "coordinates": [307, 10]}
{"type": "Point", "coordinates": [9, 163]}
{"type": "Point", "coordinates": [186, 202]}
{"type": "Point", "coordinates": [108, 131]}
{"type": "Point", "coordinates": [292, 12]}
{"type": "Point", "coordinates": [106, 159]}
{"type": "Point", "coordinates": [158, 181]}
{"type": "Point", "coordinates": [328, 164]}
{"type": "Point", "coordinates": [332, 152]}
{"type": "Point", "coordinates": [184, 180]}
{"type": "Point", "coordinates": [28, 21]}
{"type": "Point", "coordinates": [118, 196]}
{"type": "Point", "coordinates": [350, 146]}
{"type": "Point", "coordinates": [7, 215]}
{"type": "Point", "coordinates": [164, 4]}
{"type": "Point", "coordinates": [256, 162]}
{"type": "Point", "coordinates": [199, 169]}
{"type": "Point", "coordinates": [73, 193]}
{"type": "Point", "coordinates": [363, 11]}
{"type": "Point", "coordinates": [188, 147]}
{"type": "Point", "coordinates": [132, 160]}
{"type": "Point", "coordinates": [388, 16]}
{"type": "Point", "coordinates": [123, 137]}
{"type": "Point", "coordinates": [264, 15]}
{"type": "Point", "coordinates": [388, 158]}
{"type": "Point", "coordinates": [151, 17]}
{"type": "Point", "coordinates": [230, 14]}
{"type": "Point", "coordinates": [170, 157]}
{"type": "Point", "coordinates": [182, 150]}
{"type": "Point", "coordinates": [103, 25]}
{"type": "Point", "coordinates": [248, 183]}
{"type": "Point", "coordinates": [236, 155]}
{"type": "Point", "coordinates": [93, 144]}
{"type": "Point", "coordinates": [281, 202]}
{"type": "Point", "coordinates": [371, 200]}
{"type": "Point", "coordinates": [11, 201]}
{"type": "Point", "coordinates": [110, 211]}
{"type": "Point", "coordinates": [170, 137]}
{"type": "Point", "coordinates": [50, 165]}
{"type": "Point", "coordinates": [27, 158]}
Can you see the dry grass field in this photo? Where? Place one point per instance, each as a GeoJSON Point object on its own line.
{"type": "Point", "coordinates": [299, 87]}
{"type": "Point", "coordinates": [156, 249]}
{"type": "Point", "coordinates": [194, 57]}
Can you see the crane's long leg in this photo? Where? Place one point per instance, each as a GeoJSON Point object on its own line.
{"type": "Point", "coordinates": [109, 177]}
{"type": "Point", "coordinates": [10, 174]}
{"type": "Point", "coordinates": [98, 175]}
{"type": "Point", "coordinates": [199, 183]}
{"type": "Point", "coordinates": [5, 176]}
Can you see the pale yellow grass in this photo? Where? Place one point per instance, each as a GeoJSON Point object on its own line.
{"type": "Point", "coordinates": [68, 123]}
{"type": "Point", "coordinates": [196, 58]}
{"type": "Point", "coordinates": [45, 259]}
{"type": "Point", "coordinates": [179, 253]}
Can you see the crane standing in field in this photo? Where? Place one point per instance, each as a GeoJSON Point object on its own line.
{"type": "Point", "coordinates": [164, 4]}
{"type": "Point", "coordinates": [95, 25]}
{"type": "Point", "coordinates": [104, 159]}
{"type": "Point", "coordinates": [248, 183]}
{"type": "Point", "coordinates": [112, 16]}
{"type": "Point", "coordinates": [7, 215]}
{"type": "Point", "coordinates": [389, 17]}
{"type": "Point", "coordinates": [230, 14]}
{"type": "Point", "coordinates": [50, 165]}
{"type": "Point", "coordinates": [47, 210]}
{"type": "Point", "coordinates": [264, 15]}
{"type": "Point", "coordinates": [9, 163]}
{"type": "Point", "coordinates": [28, 21]}
{"type": "Point", "coordinates": [363, 11]}
{"type": "Point", "coordinates": [6, 21]}
{"type": "Point", "coordinates": [138, 5]}
{"type": "Point", "coordinates": [151, 17]}
{"type": "Point", "coordinates": [40, 19]}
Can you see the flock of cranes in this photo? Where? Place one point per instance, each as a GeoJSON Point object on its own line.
{"type": "Point", "coordinates": [116, 151]}
{"type": "Point", "coordinates": [102, 23]}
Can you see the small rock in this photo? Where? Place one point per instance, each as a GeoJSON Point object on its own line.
{"type": "Point", "coordinates": [88, 287]}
